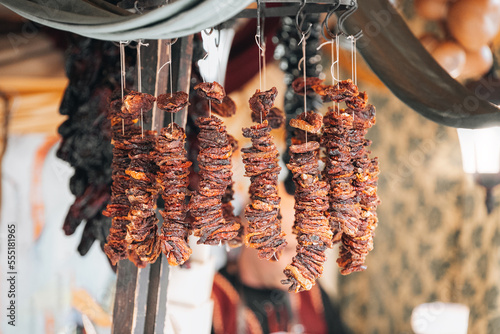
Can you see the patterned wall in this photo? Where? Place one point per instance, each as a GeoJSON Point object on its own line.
{"type": "Point", "coordinates": [435, 241]}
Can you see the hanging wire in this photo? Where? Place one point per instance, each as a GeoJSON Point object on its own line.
{"type": "Point", "coordinates": [208, 70]}
{"type": "Point", "coordinates": [337, 51]}
{"type": "Point", "coordinates": [352, 56]}
{"type": "Point", "coordinates": [170, 75]}
{"type": "Point", "coordinates": [299, 21]}
{"type": "Point", "coordinates": [263, 48]}
{"type": "Point", "coordinates": [355, 61]}
{"type": "Point", "coordinates": [139, 81]}
{"type": "Point", "coordinates": [303, 61]}
{"type": "Point", "coordinates": [159, 58]}
{"type": "Point", "coordinates": [354, 69]}
{"type": "Point", "coordinates": [258, 40]}
{"type": "Point", "coordinates": [139, 77]}
{"type": "Point", "coordinates": [264, 65]}
{"type": "Point", "coordinates": [122, 75]}
{"type": "Point", "coordinates": [217, 40]}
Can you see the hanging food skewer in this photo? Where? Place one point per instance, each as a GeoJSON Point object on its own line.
{"type": "Point", "coordinates": [357, 241]}
{"type": "Point", "coordinates": [215, 173]}
{"type": "Point", "coordinates": [339, 171]}
{"type": "Point", "coordinates": [142, 193]}
{"type": "Point", "coordinates": [261, 165]}
{"type": "Point", "coordinates": [227, 207]}
{"type": "Point", "coordinates": [350, 173]}
{"type": "Point", "coordinates": [311, 225]}
{"type": "Point", "coordinates": [123, 117]}
{"type": "Point", "coordinates": [173, 180]}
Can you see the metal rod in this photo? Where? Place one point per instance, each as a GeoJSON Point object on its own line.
{"type": "Point", "coordinates": [342, 2]}
{"type": "Point", "coordinates": [290, 10]}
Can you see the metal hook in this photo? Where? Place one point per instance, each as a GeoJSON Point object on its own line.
{"type": "Point", "coordinates": [299, 21]}
{"type": "Point", "coordinates": [217, 40]}
{"type": "Point", "coordinates": [118, 44]}
{"type": "Point", "coordinates": [137, 44]}
{"type": "Point", "coordinates": [136, 7]}
{"type": "Point", "coordinates": [345, 15]}
{"type": "Point", "coordinates": [325, 26]}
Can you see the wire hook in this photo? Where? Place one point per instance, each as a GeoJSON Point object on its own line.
{"type": "Point", "coordinates": [299, 21]}
{"type": "Point", "coordinates": [171, 42]}
{"type": "Point", "coordinates": [345, 15]}
{"type": "Point", "coordinates": [325, 27]}
{"type": "Point", "coordinates": [217, 40]}
{"type": "Point", "coordinates": [136, 7]}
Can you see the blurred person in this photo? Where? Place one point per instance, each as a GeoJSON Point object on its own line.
{"type": "Point", "coordinates": [249, 297]}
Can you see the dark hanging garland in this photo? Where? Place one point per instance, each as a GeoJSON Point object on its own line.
{"type": "Point", "coordinates": [93, 70]}
{"type": "Point", "coordinates": [289, 52]}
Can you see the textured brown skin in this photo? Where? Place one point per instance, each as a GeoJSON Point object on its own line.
{"type": "Point", "coordinates": [309, 121]}
{"type": "Point", "coordinates": [214, 161]}
{"type": "Point", "coordinates": [298, 85]}
{"type": "Point", "coordinates": [173, 179]}
{"type": "Point", "coordinates": [225, 109]}
{"type": "Point", "coordinates": [212, 91]}
{"type": "Point", "coordinates": [134, 103]}
{"type": "Point", "coordinates": [173, 103]}
{"type": "Point", "coordinates": [311, 225]}
{"type": "Point", "coordinates": [261, 165]}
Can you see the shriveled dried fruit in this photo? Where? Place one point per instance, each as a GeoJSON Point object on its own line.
{"type": "Point", "coordinates": [214, 160]}
{"type": "Point", "coordinates": [212, 91]}
{"type": "Point", "coordinates": [308, 121]}
{"type": "Point", "coordinates": [261, 165]}
{"type": "Point", "coordinates": [173, 179]}
{"type": "Point", "coordinates": [311, 225]}
{"type": "Point", "coordinates": [173, 103]}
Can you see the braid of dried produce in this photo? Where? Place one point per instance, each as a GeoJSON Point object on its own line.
{"type": "Point", "coordinates": [311, 225]}
{"type": "Point", "coordinates": [227, 207]}
{"type": "Point", "coordinates": [173, 179]}
{"type": "Point", "coordinates": [261, 165]}
{"type": "Point", "coordinates": [344, 210]}
{"type": "Point", "coordinates": [357, 241]}
{"type": "Point", "coordinates": [142, 194]}
{"type": "Point", "coordinates": [214, 160]}
{"type": "Point", "coordinates": [122, 130]}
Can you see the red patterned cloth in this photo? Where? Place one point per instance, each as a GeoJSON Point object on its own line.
{"type": "Point", "coordinates": [256, 311]}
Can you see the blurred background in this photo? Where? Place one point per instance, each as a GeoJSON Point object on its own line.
{"type": "Point", "coordinates": [435, 241]}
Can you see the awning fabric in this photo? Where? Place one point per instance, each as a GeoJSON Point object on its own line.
{"type": "Point", "coordinates": [180, 18]}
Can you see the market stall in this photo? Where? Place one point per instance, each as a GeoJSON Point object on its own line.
{"type": "Point", "coordinates": [159, 171]}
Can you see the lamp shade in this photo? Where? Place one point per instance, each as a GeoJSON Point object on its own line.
{"type": "Point", "coordinates": [480, 150]}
